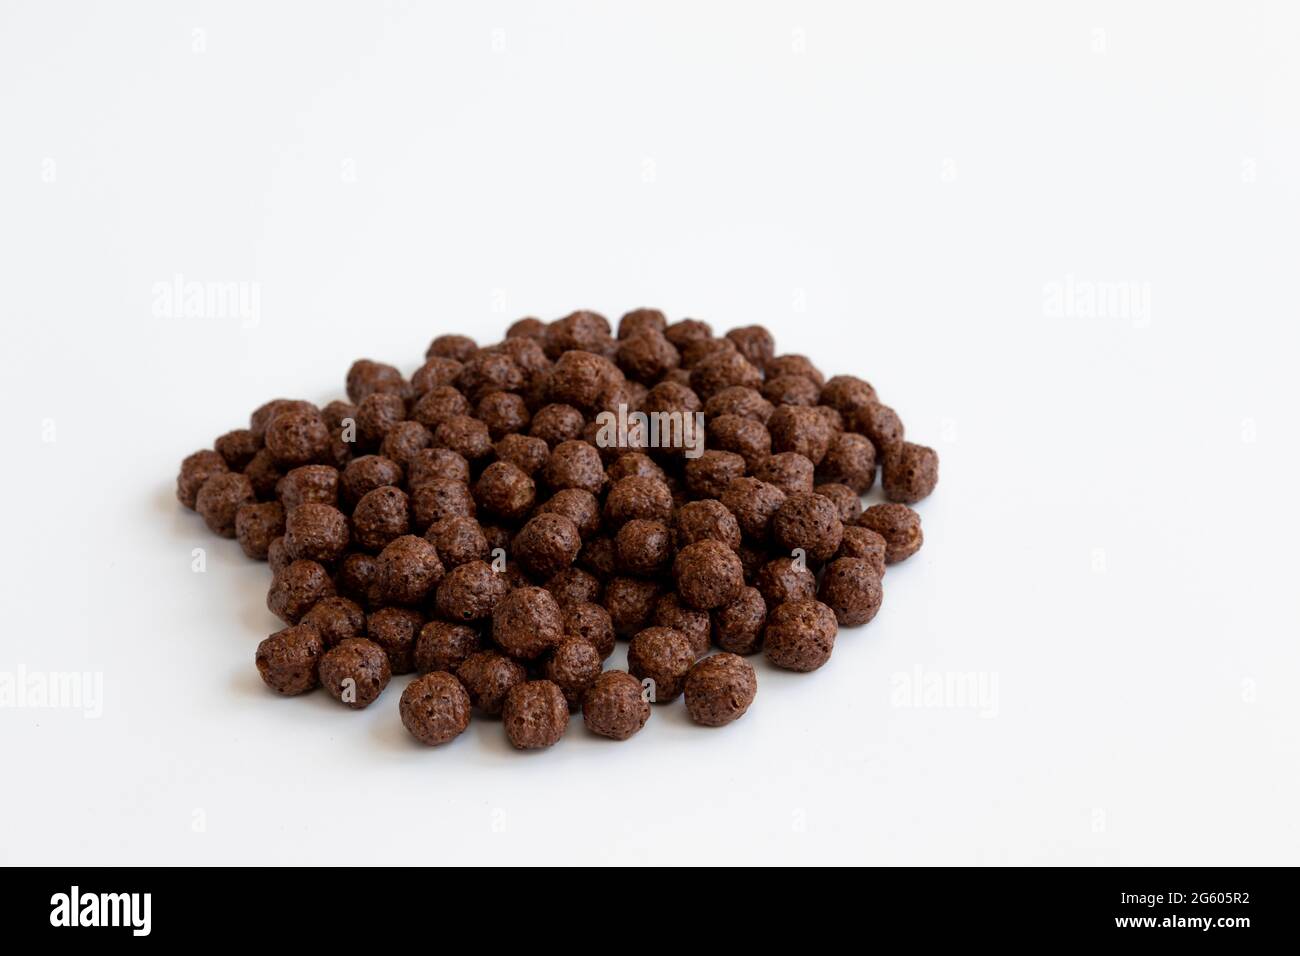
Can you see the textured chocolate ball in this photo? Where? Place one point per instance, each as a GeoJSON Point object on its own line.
{"type": "Point", "coordinates": [503, 412]}
{"type": "Point", "coordinates": [753, 503]}
{"type": "Point", "coordinates": [581, 379]}
{"type": "Point", "coordinates": [588, 621]}
{"type": "Point", "coordinates": [670, 612]}
{"type": "Point", "coordinates": [288, 659]}
{"type": "Point", "coordinates": [850, 460]}
{"type": "Point", "coordinates": [899, 525]}
{"type": "Point", "coordinates": [527, 327]}
{"type": "Point", "coordinates": [641, 320]}
{"type": "Point", "coordinates": [671, 396]}
{"type": "Point", "coordinates": [264, 475]}
{"type": "Point", "coordinates": [693, 353]}
{"type": "Point", "coordinates": [196, 469]}
{"type": "Point", "coordinates": [470, 592]}
{"type": "Point", "coordinates": [745, 437]}
{"type": "Point", "coordinates": [219, 501]}
{"type": "Point", "coordinates": [527, 623]}
{"type": "Point", "coordinates": [546, 545]}
{"type": "Point", "coordinates": [845, 500]}
{"type": "Point", "coordinates": [878, 422]}
{"type": "Point", "coordinates": [363, 475]}
{"type": "Point", "coordinates": [505, 491]}
{"type": "Point", "coordinates": [794, 365]}
{"type": "Point", "coordinates": [488, 677]}
{"type": "Point", "coordinates": [490, 370]}
{"type": "Point", "coordinates": [784, 579]}
{"type": "Point", "coordinates": [847, 393]}
{"type": "Point", "coordinates": [366, 377]}
{"type": "Point", "coordinates": [721, 370]}
{"type": "Point", "coordinates": [315, 532]}
{"type": "Point", "coordinates": [638, 497]}
{"type": "Point", "coordinates": [355, 672]}
{"type": "Point", "coordinates": [643, 547]}
{"type": "Point", "coordinates": [738, 626]}
{"type": "Point", "coordinates": [687, 330]}
{"type": "Point", "coordinates": [380, 516]}
{"type": "Point", "coordinates": [438, 404]}
{"type": "Point", "coordinates": [597, 557]}
{"type": "Point", "coordinates": [525, 452]}
{"type": "Point", "coordinates": [297, 438]}
{"type": "Point", "coordinates": [277, 559]}
{"type": "Point", "coordinates": [574, 586]}
{"type": "Point", "coordinates": [535, 715]}
{"type": "Point", "coordinates": [237, 448]}
{"type": "Point", "coordinates": [647, 357]}
{"type": "Point", "coordinates": [790, 471]}
{"type": "Point", "coordinates": [755, 343]}
{"type": "Point", "coordinates": [395, 630]}
{"type": "Point", "coordinates": [634, 463]}
{"type": "Point", "coordinates": [706, 520]}
{"type": "Point", "coordinates": [407, 571]}
{"type": "Point", "coordinates": [708, 574]}
{"type": "Point", "coordinates": [574, 464]}
{"type": "Point", "coordinates": [452, 346]}
{"type": "Point", "coordinates": [860, 542]}
{"type": "Point", "coordinates": [257, 525]}
{"type": "Point", "coordinates": [850, 587]}
{"type": "Point", "coordinates": [614, 706]}
{"type": "Point", "coordinates": [793, 390]}
{"type": "Point", "coordinates": [799, 635]}
{"type": "Point", "coordinates": [909, 473]}
{"type": "Point", "coordinates": [436, 372]}
{"type": "Point", "coordinates": [295, 589]}
{"type": "Point", "coordinates": [740, 401]}
{"type": "Point", "coordinates": [580, 507]}
{"type": "Point", "coordinates": [795, 428]}
{"type": "Point", "coordinates": [377, 413]}
{"type": "Point", "coordinates": [435, 708]}
{"type": "Point", "coordinates": [337, 618]}
{"type": "Point", "coordinates": [356, 575]}
{"type": "Point", "coordinates": [572, 666]}
{"type": "Point", "coordinates": [437, 464]}
{"type": "Point", "coordinates": [405, 441]}
{"type": "Point", "coordinates": [709, 475]}
{"type": "Point", "coordinates": [662, 655]}
{"type": "Point", "coordinates": [585, 330]}
{"type": "Point", "coordinates": [442, 646]}
{"type": "Point", "coordinates": [630, 603]}
{"type": "Point", "coordinates": [457, 539]}
{"type": "Point", "coordinates": [439, 498]}
{"type": "Point", "coordinates": [557, 423]}
{"type": "Point", "coordinates": [309, 484]}
{"type": "Point", "coordinates": [467, 437]}
{"type": "Point", "coordinates": [719, 689]}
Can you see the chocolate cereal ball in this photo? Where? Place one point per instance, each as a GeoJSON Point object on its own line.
{"type": "Point", "coordinates": [588, 331]}
{"type": "Point", "coordinates": [878, 422]}
{"type": "Point", "coordinates": [264, 475]}
{"type": "Point", "coordinates": [647, 357]}
{"type": "Point", "coordinates": [785, 579]}
{"type": "Point", "coordinates": [641, 320]}
{"type": "Point", "coordinates": [355, 672]}
{"type": "Point", "coordinates": [910, 472]}
{"type": "Point", "coordinates": [746, 437]}
{"type": "Point", "coordinates": [309, 484]}
{"type": "Point", "coordinates": [705, 520]}
{"type": "Point", "coordinates": [277, 559]}
{"type": "Point", "coordinates": [337, 618]}
{"type": "Point", "coordinates": [395, 630]}
{"type": "Point", "coordinates": [661, 655]}
{"type": "Point", "coordinates": [588, 621]}
{"type": "Point", "coordinates": [851, 588]}
{"type": "Point", "coordinates": [219, 501]}
{"type": "Point", "coordinates": [535, 715]}
{"type": "Point", "coordinates": [380, 516]}
{"type": "Point", "coordinates": [315, 532]}
{"type": "Point", "coordinates": [458, 347]}
{"type": "Point", "coordinates": [630, 603]}
{"type": "Point", "coordinates": [457, 539]}
{"type": "Point", "coordinates": [356, 575]}
{"type": "Point", "coordinates": [800, 429]}
{"type": "Point", "coordinates": [439, 498]}
{"type": "Point", "coordinates": [597, 557]}
{"type": "Point", "coordinates": [488, 677]}
{"type": "Point", "coordinates": [789, 471]}
{"type": "Point", "coordinates": [490, 370]}
{"type": "Point", "coordinates": [572, 666]}
{"type": "Point", "coordinates": [557, 423]}
{"type": "Point", "coordinates": [719, 689]}
{"type": "Point", "coordinates": [684, 331]}
{"type": "Point", "coordinates": [581, 379]}
{"type": "Point", "coordinates": [614, 706]}
{"type": "Point", "coordinates": [404, 441]}
{"type": "Point", "coordinates": [899, 525]}
{"type": "Point", "coordinates": [753, 503]}
{"type": "Point", "coordinates": [850, 460]}
{"type": "Point", "coordinates": [845, 500]}
{"type": "Point", "coordinates": [435, 372]}
{"type": "Point", "coordinates": [723, 369]}
{"type": "Point", "coordinates": [634, 463]}
{"type": "Point", "coordinates": [800, 635]}
{"type": "Point", "coordinates": [546, 545]}
{"type": "Point", "coordinates": [794, 365]}
{"type": "Point", "coordinates": [195, 470]}
{"type": "Point", "coordinates": [467, 437]}
{"type": "Point", "coordinates": [643, 547]}
{"type": "Point", "coordinates": [708, 574]}
{"type": "Point", "coordinates": [525, 452]}
{"type": "Point", "coordinates": [436, 464]}
{"type": "Point", "coordinates": [407, 570]}
{"type": "Point", "coordinates": [527, 327]}
{"type": "Point", "coordinates": [709, 475]}
{"type": "Point", "coordinates": [257, 525]}
{"type": "Point", "coordinates": [297, 438]}
{"type": "Point", "coordinates": [847, 393]}
{"type": "Point", "coordinates": [366, 377]}
{"type": "Point", "coordinates": [288, 659]}
{"type": "Point", "coordinates": [738, 626]}
{"type": "Point", "coordinates": [237, 448]}
{"type": "Point", "coordinates": [574, 464]}
{"type": "Point", "coordinates": [638, 497]}
{"type": "Point", "coordinates": [377, 413]}
{"type": "Point", "coordinates": [505, 491]}
{"type": "Point", "coordinates": [363, 475]}
{"type": "Point", "coordinates": [860, 542]}
{"type": "Point", "coordinates": [527, 622]}
{"type": "Point", "coordinates": [580, 507]}
{"type": "Point", "coordinates": [295, 589]}
{"type": "Point", "coordinates": [755, 343]}
{"type": "Point", "coordinates": [694, 624]}
{"type": "Point", "coordinates": [791, 390]}
{"type": "Point", "coordinates": [441, 646]}
{"type": "Point", "coordinates": [470, 592]}
{"type": "Point", "coordinates": [439, 404]}
{"type": "Point", "coordinates": [741, 401]}
{"type": "Point", "coordinates": [435, 708]}
{"type": "Point", "coordinates": [808, 522]}
{"type": "Point", "coordinates": [503, 413]}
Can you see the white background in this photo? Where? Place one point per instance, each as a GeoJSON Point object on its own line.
{"type": "Point", "coordinates": [895, 192]}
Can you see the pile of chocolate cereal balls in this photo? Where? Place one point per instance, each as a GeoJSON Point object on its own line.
{"type": "Point", "coordinates": [470, 524]}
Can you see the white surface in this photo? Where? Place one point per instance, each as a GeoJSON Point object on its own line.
{"type": "Point", "coordinates": [891, 191]}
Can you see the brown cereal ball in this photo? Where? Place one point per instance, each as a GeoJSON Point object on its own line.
{"type": "Point", "coordinates": [704, 520]}
{"type": "Point", "coordinates": [435, 373]}
{"type": "Point", "coordinates": [340, 452]}
{"type": "Point", "coordinates": [719, 689]}
{"type": "Point", "coordinates": [694, 624]}
{"type": "Point", "coordinates": [356, 575]}
{"type": "Point", "coordinates": [899, 525]}
{"type": "Point", "coordinates": [380, 516]}
{"type": "Point", "coordinates": [309, 484]}
{"type": "Point", "coordinates": [708, 574]}
{"type": "Point", "coordinates": [529, 355]}
{"type": "Point", "coordinates": [528, 327]}
{"type": "Point", "coordinates": [458, 347]}
{"type": "Point", "coordinates": [782, 580]}
{"type": "Point", "coordinates": [740, 401]}
{"type": "Point", "coordinates": [799, 635]}
{"type": "Point", "coordinates": [572, 666]}
{"type": "Point", "coordinates": [630, 603]}
{"type": "Point", "coordinates": [557, 423]}
{"type": "Point", "coordinates": [437, 464]}
{"type": "Point", "coordinates": [196, 469]}
{"type": "Point", "coordinates": [579, 506]}
{"type": "Point", "coordinates": [503, 412]}
{"type": "Point", "coordinates": [796, 428]}
{"type": "Point", "coordinates": [257, 525]}
{"type": "Point", "coordinates": [505, 491]}
{"type": "Point", "coordinates": [363, 475]}
{"type": "Point", "coordinates": [791, 390]}
{"type": "Point", "coordinates": [638, 497]}
{"type": "Point", "coordinates": [634, 463]}
{"type": "Point", "coordinates": [297, 438]}
{"type": "Point", "coordinates": [470, 592]}
{"type": "Point", "coordinates": [315, 533]}
{"type": "Point", "coordinates": [488, 677]}
{"type": "Point", "coordinates": [337, 413]}
{"type": "Point", "coordinates": [590, 622]}
{"type": "Point", "coordinates": [574, 464]}
{"type": "Point", "coordinates": [670, 396]}
{"type": "Point", "coordinates": [439, 404]}
{"type": "Point", "coordinates": [753, 503]}
{"type": "Point", "coordinates": [860, 542]}
{"type": "Point", "coordinates": [745, 437]}
{"type": "Point", "coordinates": [643, 547]}
{"type": "Point", "coordinates": [574, 586]}
{"type": "Point", "coordinates": [437, 498]}
{"type": "Point", "coordinates": [647, 357]}
{"type": "Point", "coordinates": [547, 544]}
{"type": "Point", "coordinates": [738, 626]}
{"type": "Point", "coordinates": [219, 501]}
{"type": "Point", "coordinates": [237, 448]}
{"type": "Point", "coordinates": [614, 706]}
{"type": "Point", "coordinates": [846, 393]}
{"type": "Point", "coordinates": [587, 331]}
{"type": "Point", "coordinates": [277, 558]}
{"type": "Point", "coordinates": [526, 453]}
{"type": "Point", "coordinates": [709, 475]}
{"type": "Point", "coordinates": [910, 472]}
{"type": "Point", "coordinates": [850, 460]}
{"type": "Point", "coordinates": [535, 715]}
{"type": "Point", "coordinates": [376, 414]}
{"type": "Point", "coordinates": [597, 557]}
{"type": "Point", "coordinates": [687, 330]}
{"type": "Point", "coordinates": [395, 630]}
{"type": "Point", "coordinates": [404, 441]}
{"type": "Point", "coordinates": [721, 370]}
{"type": "Point", "coordinates": [693, 353]}
{"type": "Point", "coordinates": [661, 655]}
{"type": "Point", "coordinates": [367, 377]}
{"type": "Point", "coordinates": [435, 708]}
{"type": "Point", "coordinates": [288, 659]}
{"type": "Point", "coordinates": [355, 672]}
{"type": "Point", "coordinates": [490, 370]}
{"type": "Point", "coordinates": [845, 499]}
{"type": "Point", "coordinates": [752, 558]}
{"type": "Point", "coordinates": [441, 646]}
{"type": "Point", "coordinates": [408, 569]}
{"type": "Point", "coordinates": [337, 618]}
{"type": "Point", "coordinates": [467, 437]}
{"type": "Point", "coordinates": [851, 588]}
{"type": "Point", "coordinates": [790, 471]}
{"type": "Point", "coordinates": [755, 343]}
{"type": "Point", "coordinates": [457, 539]}
{"type": "Point", "coordinates": [581, 379]}
{"type": "Point", "coordinates": [878, 422]}
{"type": "Point", "coordinates": [641, 320]}
{"type": "Point", "coordinates": [527, 623]}
{"type": "Point", "coordinates": [264, 474]}
{"type": "Point", "coordinates": [794, 365]}
{"type": "Point", "coordinates": [809, 522]}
